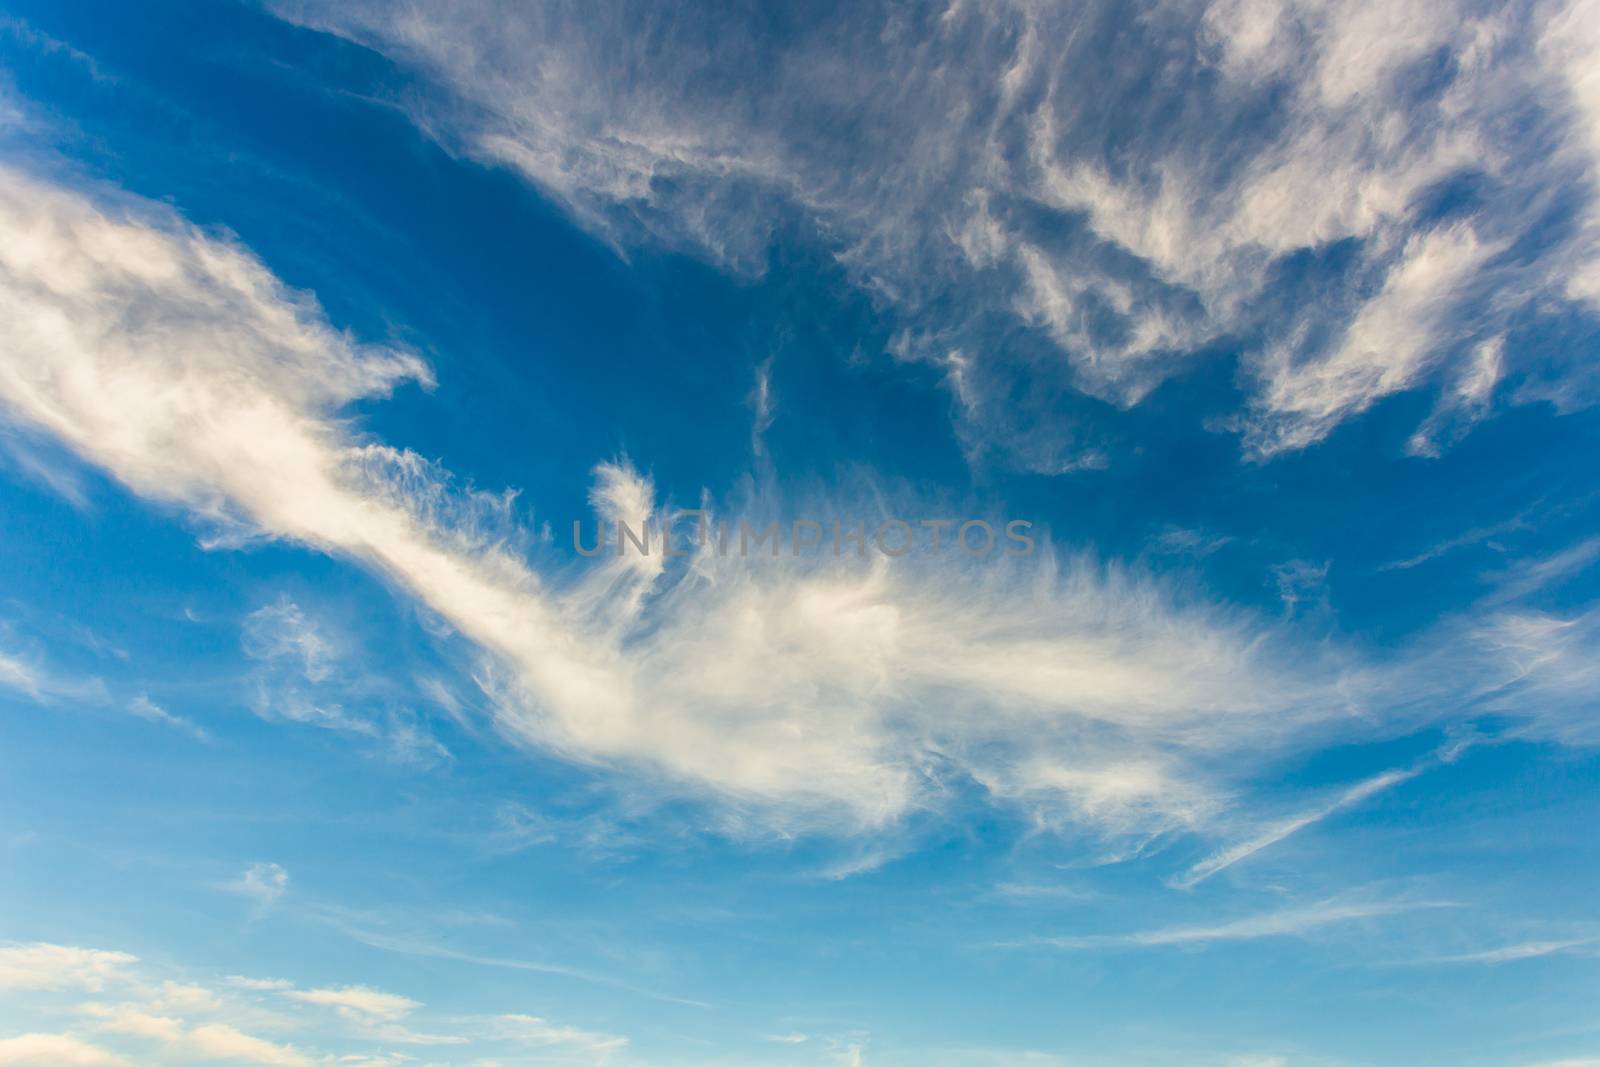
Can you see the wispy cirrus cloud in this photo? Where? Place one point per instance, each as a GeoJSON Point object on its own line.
{"type": "Point", "coordinates": [859, 674]}
{"type": "Point", "coordinates": [263, 883]}
{"type": "Point", "coordinates": [27, 673]}
{"type": "Point", "coordinates": [837, 692]}
{"type": "Point", "coordinates": [307, 672]}
{"type": "Point", "coordinates": [31, 676]}
{"type": "Point", "coordinates": [1287, 922]}
{"type": "Point", "coordinates": [1048, 174]}
{"type": "Point", "coordinates": [1279, 831]}
{"type": "Point", "coordinates": [1524, 950]}
{"type": "Point", "coordinates": [1349, 797]}
{"type": "Point", "coordinates": [145, 708]}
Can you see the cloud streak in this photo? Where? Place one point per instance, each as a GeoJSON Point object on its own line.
{"type": "Point", "coordinates": [1527, 950]}
{"type": "Point", "coordinates": [1350, 797]}
{"type": "Point", "coordinates": [1289, 922]}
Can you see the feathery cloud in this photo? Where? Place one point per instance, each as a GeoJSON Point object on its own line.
{"type": "Point", "coordinates": [807, 684]}
{"type": "Point", "coordinates": [1123, 187]}
{"type": "Point", "coordinates": [1289, 922]}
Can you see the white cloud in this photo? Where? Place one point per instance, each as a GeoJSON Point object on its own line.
{"type": "Point", "coordinates": [281, 630]}
{"type": "Point", "coordinates": [1569, 43]}
{"type": "Point", "coordinates": [1542, 666]}
{"type": "Point", "coordinates": [259, 985]}
{"type": "Point", "coordinates": [1007, 159]}
{"type": "Point", "coordinates": [45, 966]}
{"type": "Point", "coordinates": [807, 683]}
{"type": "Point", "coordinates": [1386, 348]}
{"type": "Point", "coordinates": [132, 1021]}
{"type": "Point", "coordinates": [307, 673]}
{"type": "Point", "coordinates": [27, 675]}
{"type": "Point", "coordinates": [143, 1014]}
{"type": "Point", "coordinates": [1279, 831]}
{"type": "Point", "coordinates": [16, 674]}
{"type": "Point", "coordinates": [298, 660]}
{"type": "Point", "coordinates": [536, 1031]}
{"type": "Point", "coordinates": [1289, 922]}
{"type": "Point", "coordinates": [55, 1050]}
{"type": "Point", "coordinates": [145, 708]}
{"type": "Point", "coordinates": [39, 465]}
{"type": "Point", "coordinates": [207, 1041]}
{"type": "Point", "coordinates": [1466, 402]}
{"type": "Point", "coordinates": [358, 1002]}
{"type": "Point", "coordinates": [221, 1041]}
{"type": "Point", "coordinates": [1528, 576]}
{"type": "Point", "coordinates": [763, 405]}
{"type": "Point", "coordinates": [807, 691]}
{"type": "Point", "coordinates": [264, 883]}
{"type": "Point", "coordinates": [1526, 950]}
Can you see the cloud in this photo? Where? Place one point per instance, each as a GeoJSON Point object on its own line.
{"type": "Point", "coordinates": [131, 1021]}
{"type": "Point", "coordinates": [1289, 922]}
{"type": "Point", "coordinates": [206, 1041]}
{"type": "Point", "coordinates": [45, 685]}
{"type": "Point", "coordinates": [221, 1041]}
{"type": "Point", "coordinates": [44, 468]}
{"type": "Point", "coordinates": [145, 708]}
{"type": "Point", "coordinates": [264, 883]}
{"type": "Point", "coordinates": [38, 682]}
{"type": "Point", "coordinates": [358, 1002]}
{"type": "Point", "coordinates": [1278, 831]}
{"type": "Point", "coordinates": [1477, 535]}
{"type": "Point", "coordinates": [1119, 190]}
{"type": "Point", "coordinates": [295, 679]}
{"type": "Point", "coordinates": [368, 931]}
{"type": "Point", "coordinates": [141, 1015]}
{"type": "Point", "coordinates": [281, 631]}
{"type": "Point", "coordinates": [763, 405]}
{"type": "Point", "coordinates": [1527, 950]}
{"type": "Point", "coordinates": [1569, 43]}
{"type": "Point", "coordinates": [46, 966]}
{"type": "Point", "coordinates": [55, 1050]}
{"type": "Point", "coordinates": [259, 985]}
{"type": "Point", "coordinates": [1543, 667]}
{"type": "Point", "coordinates": [305, 675]}
{"type": "Point", "coordinates": [1465, 403]}
{"type": "Point", "coordinates": [808, 685]}
{"type": "Point", "coordinates": [16, 674]}
{"type": "Point", "coordinates": [541, 1032]}
{"type": "Point", "coordinates": [819, 691]}
{"type": "Point", "coordinates": [1384, 349]}
{"type": "Point", "coordinates": [1528, 576]}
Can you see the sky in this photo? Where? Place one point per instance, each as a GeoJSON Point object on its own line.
{"type": "Point", "coordinates": [1261, 334]}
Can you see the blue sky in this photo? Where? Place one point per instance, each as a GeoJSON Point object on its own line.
{"type": "Point", "coordinates": [321, 324]}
